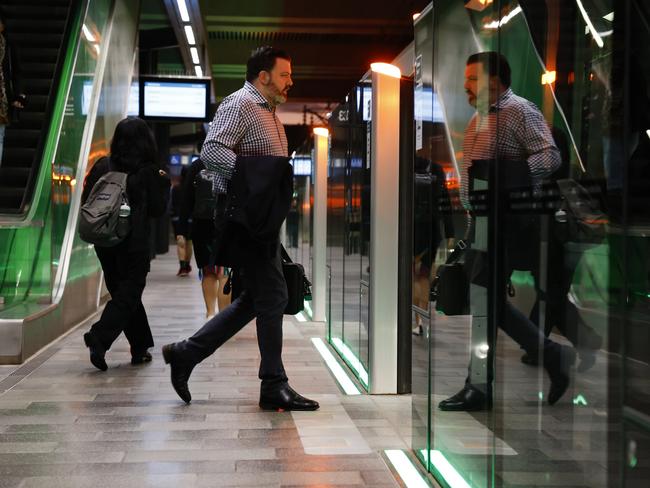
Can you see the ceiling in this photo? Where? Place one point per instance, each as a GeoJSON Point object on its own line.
{"type": "Point", "coordinates": [331, 43]}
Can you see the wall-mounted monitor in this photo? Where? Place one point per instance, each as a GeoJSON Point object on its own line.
{"type": "Point", "coordinates": [174, 99]}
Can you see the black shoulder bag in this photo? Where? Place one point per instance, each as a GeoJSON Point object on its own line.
{"type": "Point", "coordinates": [298, 286]}
{"type": "Point", "coordinates": [450, 287]}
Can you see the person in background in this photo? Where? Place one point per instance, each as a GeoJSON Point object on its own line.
{"type": "Point", "coordinates": [8, 87]}
{"type": "Point", "coordinates": [181, 231]}
{"type": "Point", "coordinates": [198, 206]}
{"type": "Point", "coordinates": [126, 265]}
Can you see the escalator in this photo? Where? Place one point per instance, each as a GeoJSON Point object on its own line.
{"type": "Point", "coordinates": [35, 30]}
{"type": "Point", "coordinates": [76, 62]}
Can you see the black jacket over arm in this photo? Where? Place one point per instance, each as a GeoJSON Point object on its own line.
{"type": "Point", "coordinates": [259, 197]}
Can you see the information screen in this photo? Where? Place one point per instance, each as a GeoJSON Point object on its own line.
{"type": "Point", "coordinates": [175, 99]}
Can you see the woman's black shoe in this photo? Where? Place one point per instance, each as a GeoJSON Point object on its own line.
{"type": "Point", "coordinates": [283, 398]}
{"type": "Point", "coordinates": [97, 351]}
{"type": "Point", "coordinates": [140, 357]}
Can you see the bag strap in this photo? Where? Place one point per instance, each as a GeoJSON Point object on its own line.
{"type": "Point", "coordinates": [285, 255]}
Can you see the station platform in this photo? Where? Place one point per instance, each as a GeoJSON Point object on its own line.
{"type": "Point", "coordinates": [65, 424]}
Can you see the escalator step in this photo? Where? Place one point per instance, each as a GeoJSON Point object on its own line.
{"type": "Point", "coordinates": [16, 137]}
{"type": "Point", "coordinates": [30, 26]}
{"type": "Point", "coordinates": [36, 103]}
{"type": "Point", "coordinates": [18, 157]}
{"type": "Point", "coordinates": [36, 86]}
{"type": "Point", "coordinates": [14, 177]}
{"type": "Point", "coordinates": [34, 40]}
{"type": "Point", "coordinates": [29, 120]}
{"type": "Point", "coordinates": [40, 55]}
{"type": "Point", "coordinates": [38, 70]}
{"type": "Point", "coordinates": [10, 198]}
{"type": "Point", "coordinates": [37, 3]}
{"type": "Point", "coordinates": [23, 11]}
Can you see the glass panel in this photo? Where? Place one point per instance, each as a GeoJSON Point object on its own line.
{"type": "Point", "coordinates": [336, 219]}
{"type": "Point", "coordinates": [636, 314]}
{"type": "Point", "coordinates": [298, 223]}
{"type": "Point", "coordinates": [461, 360]}
{"type": "Point", "coordinates": [348, 227]}
{"type": "Point", "coordinates": [354, 187]}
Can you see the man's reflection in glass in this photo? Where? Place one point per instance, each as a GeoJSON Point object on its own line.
{"type": "Point", "coordinates": [509, 130]}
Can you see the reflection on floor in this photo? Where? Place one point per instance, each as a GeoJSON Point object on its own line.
{"type": "Point", "coordinates": [68, 425]}
{"type": "Point", "coordinates": [535, 445]}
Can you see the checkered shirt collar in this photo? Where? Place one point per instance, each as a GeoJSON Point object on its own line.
{"type": "Point", "coordinates": [257, 96]}
{"type": "Point", "coordinates": [502, 101]}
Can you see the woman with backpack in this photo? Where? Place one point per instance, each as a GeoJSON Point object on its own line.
{"type": "Point", "coordinates": [126, 264]}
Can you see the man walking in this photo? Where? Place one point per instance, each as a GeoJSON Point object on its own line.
{"type": "Point", "coordinates": [246, 125]}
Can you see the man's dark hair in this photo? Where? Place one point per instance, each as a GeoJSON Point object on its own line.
{"type": "Point", "coordinates": [496, 65]}
{"type": "Point", "coordinates": [263, 59]}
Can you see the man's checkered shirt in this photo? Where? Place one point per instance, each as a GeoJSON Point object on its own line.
{"type": "Point", "coordinates": [523, 134]}
{"type": "Point", "coordinates": [245, 125]}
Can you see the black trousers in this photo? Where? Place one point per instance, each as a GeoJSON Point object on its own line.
{"type": "Point", "coordinates": [264, 297]}
{"type": "Point", "coordinates": [519, 327]}
{"type": "Point", "coordinates": [125, 275]}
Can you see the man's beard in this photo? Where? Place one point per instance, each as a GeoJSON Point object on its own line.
{"type": "Point", "coordinates": [279, 98]}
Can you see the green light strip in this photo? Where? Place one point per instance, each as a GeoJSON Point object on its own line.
{"type": "Point", "coordinates": [404, 467]}
{"type": "Point", "coordinates": [308, 309]}
{"type": "Point", "coordinates": [351, 359]}
{"type": "Point", "coordinates": [445, 469]}
{"type": "Point", "coordinates": [336, 369]}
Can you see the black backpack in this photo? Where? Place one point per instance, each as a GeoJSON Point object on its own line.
{"type": "Point", "coordinates": [104, 219]}
{"type": "Point", "coordinates": [205, 198]}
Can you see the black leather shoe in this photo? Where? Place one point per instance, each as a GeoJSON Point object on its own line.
{"type": "Point", "coordinates": [283, 397]}
{"type": "Point", "coordinates": [469, 399]}
{"type": "Point", "coordinates": [530, 360]}
{"type": "Point", "coordinates": [141, 356]}
{"type": "Point", "coordinates": [97, 351]}
{"type": "Point", "coordinates": [180, 373]}
{"type": "Point", "coordinates": [558, 366]}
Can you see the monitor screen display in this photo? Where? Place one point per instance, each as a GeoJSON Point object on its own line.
{"type": "Point", "coordinates": [133, 101]}
{"type": "Point", "coordinates": [174, 98]}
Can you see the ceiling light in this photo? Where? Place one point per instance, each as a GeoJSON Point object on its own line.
{"type": "Point", "coordinates": [387, 69]}
{"type": "Point", "coordinates": [189, 33]}
{"type": "Point", "coordinates": [549, 77]}
{"type": "Point", "coordinates": [182, 9]}
{"type": "Point", "coordinates": [198, 70]}
{"type": "Point", "coordinates": [195, 55]}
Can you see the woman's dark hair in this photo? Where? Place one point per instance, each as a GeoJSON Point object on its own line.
{"type": "Point", "coordinates": [494, 63]}
{"type": "Point", "coordinates": [263, 59]}
{"type": "Point", "coordinates": [133, 145]}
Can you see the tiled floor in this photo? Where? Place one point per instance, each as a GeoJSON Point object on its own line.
{"type": "Point", "coordinates": [66, 424]}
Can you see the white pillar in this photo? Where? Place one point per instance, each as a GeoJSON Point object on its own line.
{"type": "Point", "coordinates": [319, 258]}
{"type": "Point", "coordinates": [384, 228]}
